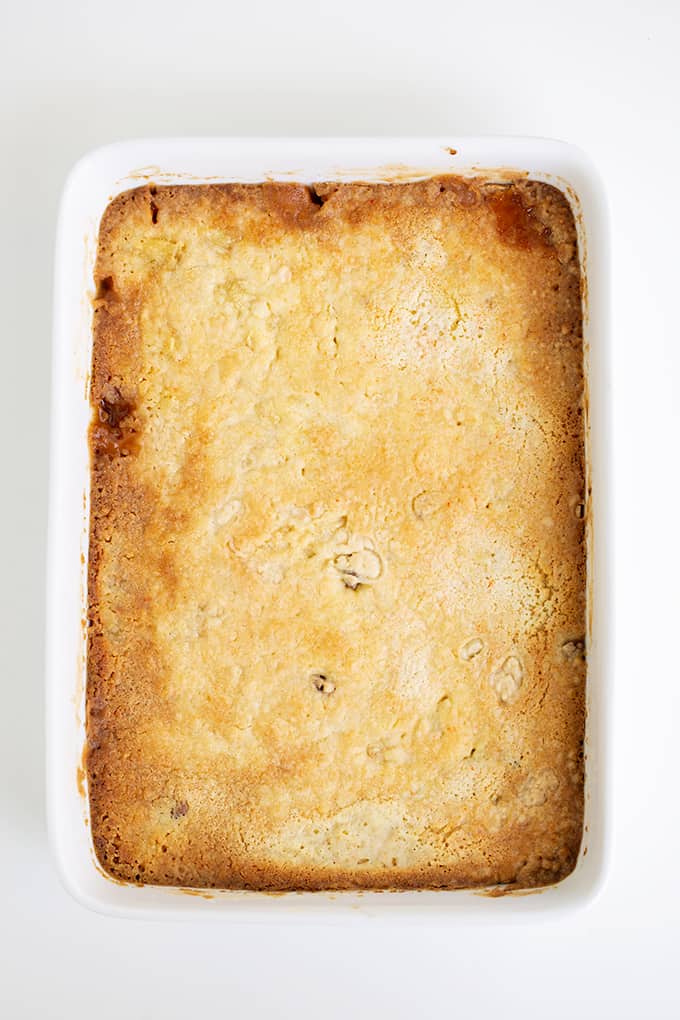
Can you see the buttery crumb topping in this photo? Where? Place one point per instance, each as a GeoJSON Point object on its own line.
{"type": "Point", "coordinates": [337, 562]}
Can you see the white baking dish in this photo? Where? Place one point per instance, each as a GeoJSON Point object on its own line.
{"type": "Point", "coordinates": [92, 183]}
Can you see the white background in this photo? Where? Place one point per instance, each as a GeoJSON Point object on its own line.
{"type": "Point", "coordinates": [602, 75]}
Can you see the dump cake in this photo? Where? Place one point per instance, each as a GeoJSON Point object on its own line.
{"type": "Point", "coordinates": [337, 562]}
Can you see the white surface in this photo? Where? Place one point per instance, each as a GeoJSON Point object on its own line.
{"type": "Point", "coordinates": [604, 76]}
{"type": "Point", "coordinates": [95, 179]}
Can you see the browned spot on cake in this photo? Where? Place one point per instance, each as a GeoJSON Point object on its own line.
{"type": "Point", "coordinates": [295, 204]}
{"type": "Point", "coordinates": [108, 434]}
{"type": "Point", "coordinates": [105, 289]}
{"type": "Point", "coordinates": [114, 408]}
{"type": "Point", "coordinates": [114, 442]}
{"type": "Point", "coordinates": [516, 223]}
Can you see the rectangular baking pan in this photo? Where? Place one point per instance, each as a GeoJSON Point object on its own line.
{"type": "Point", "coordinates": [96, 179]}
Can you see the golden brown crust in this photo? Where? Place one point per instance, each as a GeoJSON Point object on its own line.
{"type": "Point", "coordinates": [337, 563]}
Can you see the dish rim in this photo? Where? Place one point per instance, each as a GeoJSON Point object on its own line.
{"type": "Point", "coordinates": [93, 181]}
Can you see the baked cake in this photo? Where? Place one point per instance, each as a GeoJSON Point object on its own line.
{"type": "Point", "coordinates": [337, 569]}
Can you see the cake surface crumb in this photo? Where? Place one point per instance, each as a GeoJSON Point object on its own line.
{"type": "Point", "coordinates": [337, 565]}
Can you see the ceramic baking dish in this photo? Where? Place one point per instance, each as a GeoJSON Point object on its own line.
{"type": "Point", "coordinates": [92, 183]}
